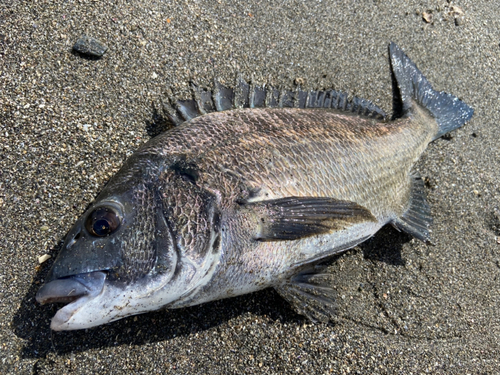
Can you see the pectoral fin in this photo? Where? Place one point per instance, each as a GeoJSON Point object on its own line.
{"type": "Point", "coordinates": [292, 218]}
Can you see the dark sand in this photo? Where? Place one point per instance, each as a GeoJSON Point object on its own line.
{"type": "Point", "coordinates": [67, 123]}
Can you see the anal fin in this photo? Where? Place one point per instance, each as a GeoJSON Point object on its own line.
{"type": "Point", "coordinates": [310, 294]}
{"type": "Point", "coordinates": [417, 218]}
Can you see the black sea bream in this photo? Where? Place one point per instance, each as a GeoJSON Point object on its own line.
{"type": "Point", "coordinates": [247, 193]}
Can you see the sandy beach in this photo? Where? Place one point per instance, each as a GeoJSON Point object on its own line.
{"type": "Point", "coordinates": [68, 122]}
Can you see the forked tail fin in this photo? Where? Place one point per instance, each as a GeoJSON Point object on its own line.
{"type": "Point", "coordinates": [449, 111]}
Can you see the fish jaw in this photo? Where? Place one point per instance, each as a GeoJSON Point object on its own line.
{"type": "Point", "coordinates": [114, 301]}
{"type": "Point", "coordinates": [90, 311]}
{"type": "Point", "coordinates": [67, 318]}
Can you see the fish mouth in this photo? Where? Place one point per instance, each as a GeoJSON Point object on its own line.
{"type": "Point", "coordinates": [74, 291]}
{"type": "Point", "coordinates": [69, 289]}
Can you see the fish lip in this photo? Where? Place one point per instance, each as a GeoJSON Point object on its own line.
{"type": "Point", "coordinates": [75, 290]}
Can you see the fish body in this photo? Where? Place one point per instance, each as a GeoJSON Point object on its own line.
{"type": "Point", "coordinates": [270, 154]}
{"type": "Point", "coordinates": [237, 200]}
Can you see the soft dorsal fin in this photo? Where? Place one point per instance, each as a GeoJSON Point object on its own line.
{"type": "Point", "coordinates": [245, 95]}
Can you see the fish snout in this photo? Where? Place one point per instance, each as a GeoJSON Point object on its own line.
{"type": "Point", "coordinates": [70, 289]}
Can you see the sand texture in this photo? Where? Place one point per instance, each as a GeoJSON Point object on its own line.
{"type": "Point", "coordinates": [68, 121]}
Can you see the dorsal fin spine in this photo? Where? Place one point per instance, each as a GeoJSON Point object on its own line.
{"type": "Point", "coordinates": [245, 95]}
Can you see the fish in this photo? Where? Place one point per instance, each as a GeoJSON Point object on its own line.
{"type": "Point", "coordinates": [252, 189]}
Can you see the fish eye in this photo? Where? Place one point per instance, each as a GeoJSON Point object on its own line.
{"type": "Point", "coordinates": [102, 221]}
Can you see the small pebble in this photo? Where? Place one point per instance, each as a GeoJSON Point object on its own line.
{"type": "Point", "coordinates": [456, 11]}
{"type": "Point", "coordinates": [459, 21]}
{"type": "Point", "coordinates": [458, 14]}
{"type": "Point", "coordinates": [300, 81]}
{"type": "Point", "coordinates": [89, 46]}
{"type": "Point", "coordinates": [427, 16]}
{"type": "Point", "coordinates": [44, 258]}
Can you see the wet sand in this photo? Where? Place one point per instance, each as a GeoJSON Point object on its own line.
{"type": "Point", "coordinates": [67, 123]}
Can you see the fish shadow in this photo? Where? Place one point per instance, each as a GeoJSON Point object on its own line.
{"type": "Point", "coordinates": [31, 321]}
{"type": "Point", "coordinates": [85, 56]}
{"type": "Point", "coordinates": [386, 246]}
{"type": "Point", "coordinates": [159, 122]}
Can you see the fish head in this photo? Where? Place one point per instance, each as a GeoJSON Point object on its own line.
{"type": "Point", "coordinates": [139, 247]}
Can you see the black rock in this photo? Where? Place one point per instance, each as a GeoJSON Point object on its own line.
{"type": "Point", "coordinates": [89, 46]}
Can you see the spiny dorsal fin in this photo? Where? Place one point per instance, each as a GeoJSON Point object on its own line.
{"type": "Point", "coordinates": [258, 97]}
{"type": "Point", "coordinates": [223, 97]}
{"type": "Point", "coordinates": [188, 109]}
{"type": "Point", "coordinates": [245, 95]}
{"type": "Point", "coordinates": [242, 94]}
{"type": "Point", "coordinates": [203, 98]}
{"type": "Point", "coordinates": [417, 219]}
